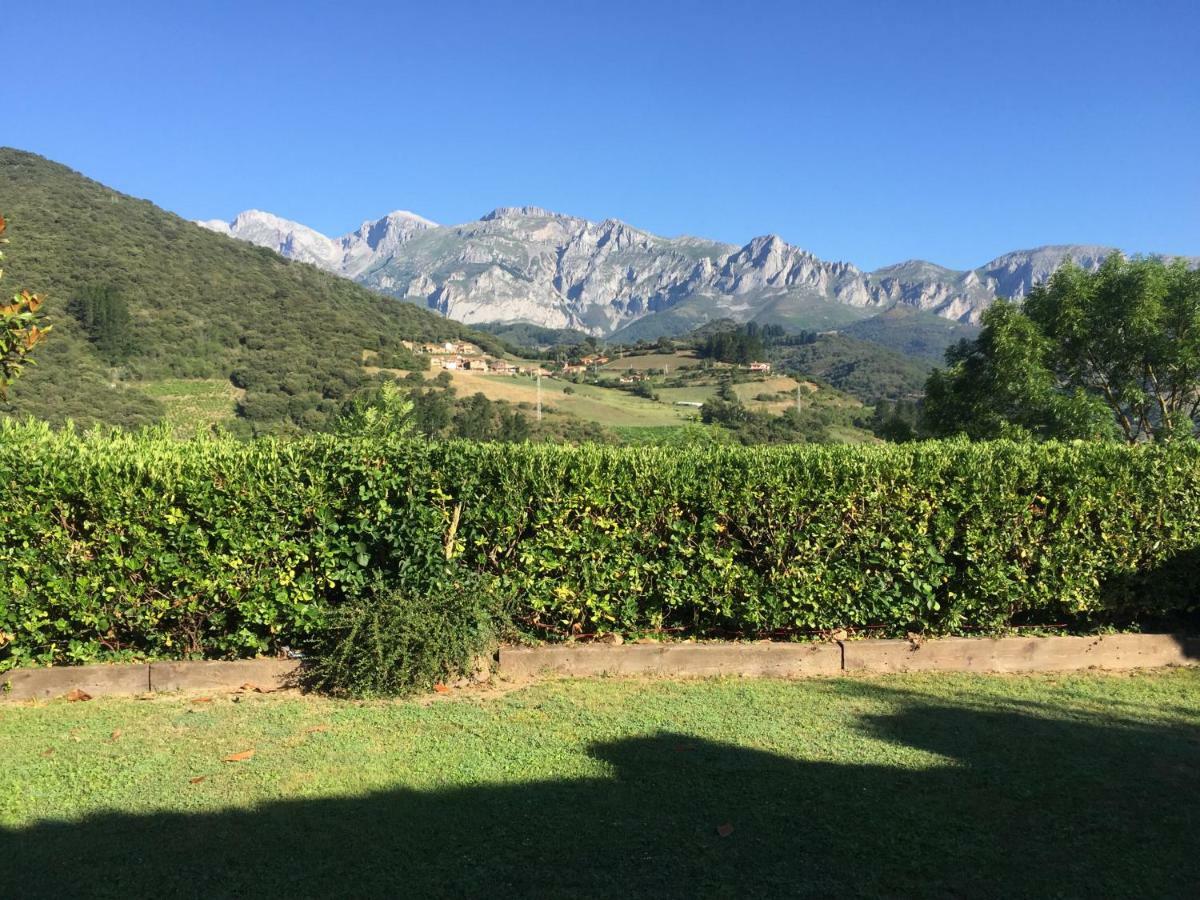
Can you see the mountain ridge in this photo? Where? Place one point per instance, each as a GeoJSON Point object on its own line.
{"type": "Point", "coordinates": [528, 264]}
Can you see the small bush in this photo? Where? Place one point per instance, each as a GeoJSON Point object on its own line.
{"type": "Point", "coordinates": [396, 640]}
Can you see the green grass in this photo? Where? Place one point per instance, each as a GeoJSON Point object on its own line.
{"type": "Point", "coordinates": [905, 786]}
{"type": "Point", "coordinates": [194, 404]}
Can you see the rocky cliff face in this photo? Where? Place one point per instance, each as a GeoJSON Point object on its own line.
{"type": "Point", "coordinates": [527, 264]}
{"type": "Point", "coordinates": [348, 255]}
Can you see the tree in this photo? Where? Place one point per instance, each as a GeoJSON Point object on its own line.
{"type": "Point", "coordinates": [22, 328]}
{"type": "Point", "coordinates": [104, 315]}
{"type": "Point", "coordinates": [382, 412]}
{"type": "Point", "coordinates": [1110, 353]}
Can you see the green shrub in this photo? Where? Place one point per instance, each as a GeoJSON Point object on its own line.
{"type": "Point", "coordinates": [392, 641]}
{"type": "Point", "coordinates": [138, 545]}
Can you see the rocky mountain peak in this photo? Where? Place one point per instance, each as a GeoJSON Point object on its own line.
{"type": "Point", "coordinates": [528, 264]}
{"type": "Point", "coordinates": [517, 212]}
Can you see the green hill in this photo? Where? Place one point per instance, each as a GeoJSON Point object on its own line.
{"type": "Point", "coordinates": [282, 341]}
{"type": "Point", "coordinates": [861, 368]}
{"type": "Point", "coordinates": [916, 334]}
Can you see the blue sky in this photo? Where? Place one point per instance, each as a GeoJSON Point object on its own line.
{"type": "Point", "coordinates": [869, 131]}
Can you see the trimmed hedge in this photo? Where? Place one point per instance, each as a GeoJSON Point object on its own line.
{"type": "Point", "coordinates": [140, 545]}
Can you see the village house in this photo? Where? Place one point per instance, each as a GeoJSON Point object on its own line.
{"type": "Point", "coordinates": [476, 365]}
{"type": "Point", "coordinates": [594, 360]}
{"type": "Point", "coordinates": [500, 367]}
{"type": "Point", "coordinates": [451, 364]}
{"type": "Point", "coordinates": [573, 370]}
{"type": "Point", "coordinates": [763, 367]}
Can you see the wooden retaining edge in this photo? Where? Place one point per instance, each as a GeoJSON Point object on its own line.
{"type": "Point", "coordinates": [682, 660]}
{"type": "Point", "coordinates": [1116, 652]}
{"type": "Point", "coordinates": [143, 678]}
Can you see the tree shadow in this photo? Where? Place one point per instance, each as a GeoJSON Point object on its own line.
{"type": "Point", "coordinates": [1010, 800]}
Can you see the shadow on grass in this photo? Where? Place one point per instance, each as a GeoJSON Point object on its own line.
{"type": "Point", "coordinates": [1016, 802]}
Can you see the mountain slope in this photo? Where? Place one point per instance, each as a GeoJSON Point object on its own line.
{"type": "Point", "coordinates": [530, 265]}
{"type": "Point", "coordinates": [201, 306]}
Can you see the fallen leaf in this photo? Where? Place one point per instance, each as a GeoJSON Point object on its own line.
{"type": "Point", "coordinates": [76, 695]}
{"type": "Point", "coordinates": [197, 779]}
{"type": "Point", "coordinates": [441, 688]}
{"type": "Point", "coordinates": [203, 700]}
{"type": "Point", "coordinates": [312, 728]}
{"type": "Point", "coordinates": [116, 733]}
{"type": "Point", "coordinates": [48, 752]}
{"type": "Point", "coordinates": [725, 830]}
{"type": "Point", "coordinates": [239, 757]}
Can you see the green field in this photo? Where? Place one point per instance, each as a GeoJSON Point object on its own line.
{"type": "Point", "coordinates": [622, 410]}
{"type": "Point", "coordinates": [682, 359]}
{"type": "Point", "coordinates": [933, 786]}
{"type": "Point", "coordinates": [592, 403]}
{"type": "Point", "coordinates": [194, 404]}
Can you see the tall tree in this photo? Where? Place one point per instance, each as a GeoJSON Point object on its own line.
{"type": "Point", "coordinates": [22, 328]}
{"type": "Point", "coordinates": [104, 315]}
{"type": "Point", "coordinates": [1115, 352]}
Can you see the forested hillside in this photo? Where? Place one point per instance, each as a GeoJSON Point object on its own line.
{"type": "Point", "coordinates": [181, 302]}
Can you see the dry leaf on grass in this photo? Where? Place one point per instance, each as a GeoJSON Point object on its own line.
{"type": "Point", "coordinates": [47, 753]}
{"type": "Point", "coordinates": [312, 728]}
{"type": "Point", "coordinates": [441, 688]}
{"type": "Point", "coordinates": [240, 757]}
{"type": "Point", "coordinates": [197, 779]}
{"type": "Point", "coordinates": [77, 695]}
{"type": "Point", "coordinates": [117, 732]}
{"type": "Point", "coordinates": [725, 830]}
{"type": "Point", "coordinates": [202, 700]}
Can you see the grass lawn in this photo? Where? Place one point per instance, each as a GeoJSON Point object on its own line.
{"type": "Point", "coordinates": [943, 786]}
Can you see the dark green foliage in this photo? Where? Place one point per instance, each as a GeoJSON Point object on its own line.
{"type": "Point", "coordinates": [920, 336]}
{"type": "Point", "coordinates": [200, 305]}
{"type": "Point", "coordinates": [740, 346]}
{"type": "Point", "coordinates": [533, 337]}
{"type": "Point", "coordinates": [644, 389]}
{"type": "Point", "coordinates": [861, 369]}
{"type": "Point", "coordinates": [896, 422]}
{"type": "Point", "coordinates": [392, 641]}
{"type": "Point", "coordinates": [142, 545]}
{"type": "Point", "coordinates": [1089, 354]}
{"type": "Point", "coordinates": [104, 316]}
{"type": "Point", "coordinates": [999, 385]}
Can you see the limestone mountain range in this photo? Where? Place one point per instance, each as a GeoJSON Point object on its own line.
{"type": "Point", "coordinates": [527, 264]}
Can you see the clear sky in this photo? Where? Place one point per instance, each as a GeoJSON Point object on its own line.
{"type": "Point", "coordinates": [864, 131]}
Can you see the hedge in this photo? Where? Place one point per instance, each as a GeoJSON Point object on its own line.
{"type": "Point", "coordinates": [118, 545]}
